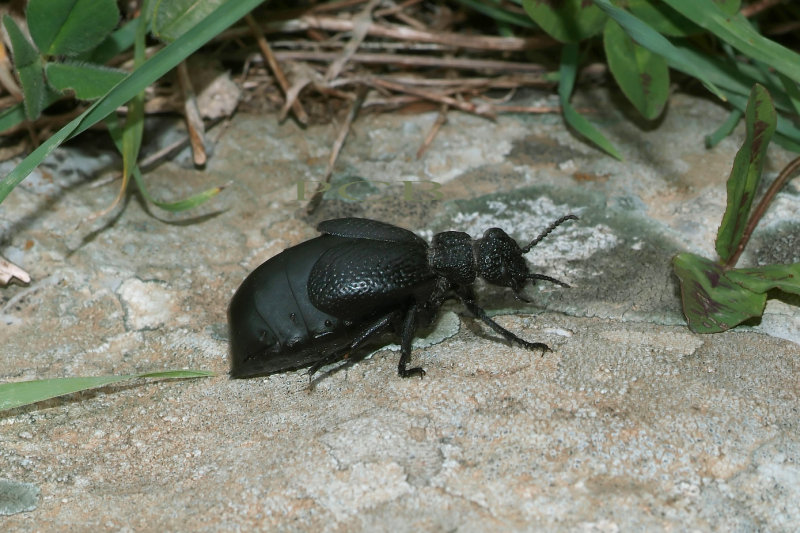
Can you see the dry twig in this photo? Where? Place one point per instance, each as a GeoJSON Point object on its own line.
{"type": "Point", "coordinates": [295, 104]}
{"type": "Point", "coordinates": [337, 147]}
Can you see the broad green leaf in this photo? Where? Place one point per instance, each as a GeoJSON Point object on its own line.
{"type": "Point", "coordinates": [116, 43]}
{"type": "Point", "coordinates": [647, 37]}
{"type": "Point", "coordinates": [568, 21]}
{"type": "Point", "coordinates": [24, 52]}
{"type": "Point", "coordinates": [642, 75]}
{"type": "Point", "coordinates": [12, 116]}
{"type": "Point", "coordinates": [87, 81]}
{"type": "Point", "coordinates": [737, 31]}
{"type": "Point", "coordinates": [69, 27]}
{"type": "Point", "coordinates": [760, 119]}
{"type": "Point", "coordinates": [28, 63]}
{"type": "Point", "coordinates": [567, 73]}
{"type": "Point", "coordinates": [155, 67]}
{"type": "Point", "coordinates": [667, 21]}
{"type": "Point", "coordinates": [173, 18]}
{"type": "Point", "coordinates": [22, 393]}
{"type": "Point", "coordinates": [761, 279]}
{"type": "Point", "coordinates": [711, 301]}
{"type": "Point", "coordinates": [786, 128]}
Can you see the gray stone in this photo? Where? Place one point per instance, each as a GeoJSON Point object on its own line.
{"type": "Point", "coordinates": [632, 422]}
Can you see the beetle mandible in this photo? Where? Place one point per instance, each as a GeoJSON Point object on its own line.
{"type": "Point", "coordinates": [314, 303]}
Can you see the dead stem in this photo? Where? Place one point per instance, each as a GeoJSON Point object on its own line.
{"type": "Point", "coordinates": [337, 147]}
{"type": "Point", "coordinates": [194, 123]}
{"type": "Point", "coordinates": [401, 33]}
{"type": "Point", "coordinates": [441, 118]}
{"type": "Point", "coordinates": [269, 57]}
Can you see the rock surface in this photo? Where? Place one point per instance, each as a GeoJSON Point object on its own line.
{"type": "Point", "coordinates": [631, 423]}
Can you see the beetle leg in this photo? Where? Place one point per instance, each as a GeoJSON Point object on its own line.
{"type": "Point", "coordinates": [507, 335]}
{"type": "Point", "coordinates": [365, 334]}
{"type": "Point", "coordinates": [548, 278]}
{"type": "Point", "coordinates": [409, 328]}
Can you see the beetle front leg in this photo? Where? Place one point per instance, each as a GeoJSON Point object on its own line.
{"type": "Point", "coordinates": [409, 328]}
{"type": "Point", "coordinates": [507, 335]}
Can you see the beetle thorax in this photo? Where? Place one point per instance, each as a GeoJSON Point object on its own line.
{"type": "Point", "coordinates": [451, 256]}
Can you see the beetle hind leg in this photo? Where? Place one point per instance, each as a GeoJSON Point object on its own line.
{"type": "Point", "coordinates": [363, 336]}
{"type": "Point", "coordinates": [409, 328]}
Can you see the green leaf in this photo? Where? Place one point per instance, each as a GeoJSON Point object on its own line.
{"type": "Point", "coordinates": [647, 37]}
{"type": "Point", "coordinates": [568, 21]}
{"type": "Point", "coordinates": [667, 21]}
{"type": "Point", "coordinates": [737, 31]}
{"type": "Point", "coordinates": [735, 76]}
{"type": "Point", "coordinates": [28, 63]}
{"type": "Point", "coordinates": [724, 129]}
{"type": "Point", "coordinates": [499, 14]}
{"type": "Point", "coordinates": [642, 75]}
{"type": "Point", "coordinates": [711, 301]}
{"type": "Point", "coordinates": [87, 81]}
{"type": "Point", "coordinates": [180, 205]}
{"type": "Point", "coordinates": [12, 116]}
{"type": "Point", "coordinates": [22, 393]}
{"type": "Point", "coordinates": [786, 128]}
{"type": "Point", "coordinates": [116, 43]}
{"type": "Point", "coordinates": [764, 278]}
{"type": "Point", "coordinates": [761, 119]}
{"type": "Point", "coordinates": [69, 27]}
{"type": "Point", "coordinates": [173, 18]}
{"type": "Point", "coordinates": [115, 129]}
{"type": "Point", "coordinates": [567, 73]}
{"type": "Point", "coordinates": [151, 70]}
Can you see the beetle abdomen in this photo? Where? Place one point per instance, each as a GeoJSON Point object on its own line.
{"type": "Point", "coordinates": [273, 325]}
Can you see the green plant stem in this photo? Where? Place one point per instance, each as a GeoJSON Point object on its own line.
{"type": "Point", "coordinates": [786, 174]}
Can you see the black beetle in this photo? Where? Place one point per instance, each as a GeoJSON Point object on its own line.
{"type": "Point", "coordinates": [313, 304]}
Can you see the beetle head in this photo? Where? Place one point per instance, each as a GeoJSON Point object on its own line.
{"type": "Point", "coordinates": [500, 261]}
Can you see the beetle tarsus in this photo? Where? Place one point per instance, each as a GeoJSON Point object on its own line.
{"type": "Point", "coordinates": [500, 330]}
{"type": "Point", "coordinates": [408, 372]}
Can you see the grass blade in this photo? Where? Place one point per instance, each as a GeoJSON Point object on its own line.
{"type": "Point", "coordinates": [737, 31]}
{"type": "Point", "coordinates": [724, 129]}
{"type": "Point", "coordinates": [567, 73]}
{"type": "Point", "coordinates": [27, 392]}
{"type": "Point", "coordinates": [135, 82]}
{"type": "Point", "coordinates": [647, 37]}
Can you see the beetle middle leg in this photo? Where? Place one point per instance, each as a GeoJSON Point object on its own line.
{"type": "Point", "coordinates": [476, 310]}
{"type": "Point", "coordinates": [363, 336]}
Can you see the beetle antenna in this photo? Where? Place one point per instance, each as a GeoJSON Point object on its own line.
{"type": "Point", "coordinates": [547, 278]}
{"type": "Point", "coordinates": [546, 232]}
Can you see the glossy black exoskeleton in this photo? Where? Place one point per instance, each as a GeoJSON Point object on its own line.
{"type": "Point", "coordinates": [315, 303]}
